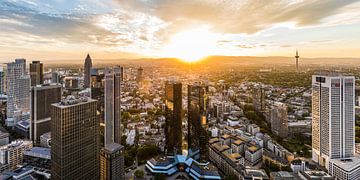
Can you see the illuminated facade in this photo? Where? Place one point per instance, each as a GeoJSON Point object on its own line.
{"type": "Point", "coordinates": [173, 125]}
{"type": "Point", "coordinates": [197, 121]}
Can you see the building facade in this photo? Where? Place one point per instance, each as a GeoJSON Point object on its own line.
{"type": "Point", "coordinates": [75, 142]}
{"type": "Point", "coordinates": [41, 99]}
{"type": "Point", "coordinates": [279, 120]}
{"type": "Point", "coordinates": [36, 73]}
{"type": "Point", "coordinates": [112, 160]}
{"type": "Point", "coordinates": [18, 90]}
{"type": "Point", "coordinates": [197, 121]}
{"type": "Point", "coordinates": [173, 124]}
{"type": "Point", "coordinates": [333, 117]}
{"type": "Point", "coordinates": [87, 69]}
{"type": "Point", "coordinates": [11, 155]}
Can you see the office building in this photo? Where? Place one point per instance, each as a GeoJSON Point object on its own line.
{"type": "Point", "coordinates": [38, 157]}
{"type": "Point", "coordinates": [279, 119]}
{"type": "Point", "coordinates": [55, 78]}
{"type": "Point", "coordinates": [75, 142]}
{"type": "Point", "coordinates": [139, 76]}
{"type": "Point", "coordinates": [4, 138]}
{"type": "Point", "coordinates": [23, 128]}
{"type": "Point", "coordinates": [11, 155]}
{"type": "Point", "coordinates": [112, 160]}
{"type": "Point", "coordinates": [45, 140]}
{"type": "Point", "coordinates": [333, 121]}
{"type": "Point", "coordinates": [345, 168]}
{"type": "Point", "coordinates": [181, 167]}
{"type": "Point", "coordinates": [42, 96]}
{"type": "Point", "coordinates": [197, 121]}
{"type": "Point", "coordinates": [36, 73]}
{"type": "Point", "coordinates": [112, 106]}
{"type": "Point", "coordinates": [258, 96]}
{"type": "Point", "coordinates": [2, 81]}
{"type": "Point", "coordinates": [18, 90]}
{"type": "Point", "coordinates": [87, 69]}
{"type": "Point", "coordinates": [173, 124]}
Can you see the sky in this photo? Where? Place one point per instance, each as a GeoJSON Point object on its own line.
{"type": "Point", "coordinates": [187, 29]}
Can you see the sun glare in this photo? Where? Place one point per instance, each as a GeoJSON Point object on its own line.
{"type": "Point", "coordinates": [191, 45]}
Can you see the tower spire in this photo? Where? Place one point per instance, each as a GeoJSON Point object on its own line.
{"type": "Point", "coordinates": [297, 60]}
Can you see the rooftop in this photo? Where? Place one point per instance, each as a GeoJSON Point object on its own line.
{"type": "Point", "coordinates": [347, 164]}
{"type": "Point", "coordinates": [113, 147]}
{"type": "Point", "coordinates": [72, 100]}
{"type": "Point", "coordinates": [39, 152]}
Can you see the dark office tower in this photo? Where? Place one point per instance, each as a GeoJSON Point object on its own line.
{"type": "Point", "coordinates": [173, 125]}
{"type": "Point", "coordinates": [197, 121]}
{"type": "Point", "coordinates": [41, 99]}
{"type": "Point", "coordinates": [87, 68]}
{"type": "Point", "coordinates": [112, 106]}
{"type": "Point", "coordinates": [36, 73]}
{"type": "Point", "coordinates": [112, 160]}
{"type": "Point", "coordinates": [139, 76]}
{"type": "Point", "coordinates": [122, 69]}
{"type": "Point", "coordinates": [74, 139]}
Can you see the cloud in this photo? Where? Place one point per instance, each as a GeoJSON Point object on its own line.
{"type": "Point", "coordinates": [240, 16]}
{"type": "Point", "coordinates": [118, 30]}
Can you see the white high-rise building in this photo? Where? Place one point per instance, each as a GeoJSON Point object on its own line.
{"type": "Point", "coordinates": [18, 89]}
{"type": "Point", "coordinates": [333, 117]}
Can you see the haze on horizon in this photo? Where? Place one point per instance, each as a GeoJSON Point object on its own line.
{"type": "Point", "coordinates": [187, 29]}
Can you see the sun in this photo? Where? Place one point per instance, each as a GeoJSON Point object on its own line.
{"type": "Point", "coordinates": [191, 45]}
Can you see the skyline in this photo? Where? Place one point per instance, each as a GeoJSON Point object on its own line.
{"type": "Point", "coordinates": [38, 29]}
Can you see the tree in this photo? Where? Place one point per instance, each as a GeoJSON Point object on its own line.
{"type": "Point", "coordinates": [160, 177]}
{"type": "Point", "coordinates": [146, 152]}
{"type": "Point", "coordinates": [139, 173]}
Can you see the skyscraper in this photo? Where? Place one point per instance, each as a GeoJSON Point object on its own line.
{"type": "Point", "coordinates": [18, 90]}
{"type": "Point", "coordinates": [112, 160]}
{"type": "Point", "coordinates": [173, 125]}
{"type": "Point", "coordinates": [2, 80]}
{"type": "Point", "coordinates": [279, 120]}
{"type": "Point", "coordinates": [112, 106]}
{"type": "Point", "coordinates": [41, 99]}
{"type": "Point", "coordinates": [74, 139]}
{"type": "Point", "coordinates": [139, 76]}
{"type": "Point", "coordinates": [87, 69]}
{"type": "Point", "coordinates": [197, 121]}
{"type": "Point", "coordinates": [333, 118]}
{"type": "Point", "coordinates": [36, 73]}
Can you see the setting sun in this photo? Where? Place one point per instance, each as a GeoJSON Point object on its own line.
{"type": "Point", "coordinates": [191, 45]}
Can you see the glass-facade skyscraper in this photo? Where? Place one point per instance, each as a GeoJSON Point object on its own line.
{"type": "Point", "coordinates": [173, 125]}
{"type": "Point", "coordinates": [197, 121]}
{"type": "Point", "coordinates": [74, 139]}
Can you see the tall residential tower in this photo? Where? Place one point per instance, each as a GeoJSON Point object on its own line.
{"type": "Point", "coordinates": [18, 91]}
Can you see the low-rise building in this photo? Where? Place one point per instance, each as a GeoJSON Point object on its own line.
{"type": "Point", "coordinates": [4, 138]}
{"type": "Point", "coordinates": [314, 175]}
{"type": "Point", "coordinates": [11, 155]}
{"type": "Point", "coordinates": [345, 168]}
{"type": "Point", "coordinates": [253, 155]}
